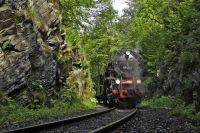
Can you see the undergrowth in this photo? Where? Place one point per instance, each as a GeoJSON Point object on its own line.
{"type": "Point", "coordinates": [12, 111]}
{"type": "Point", "coordinates": [177, 105]}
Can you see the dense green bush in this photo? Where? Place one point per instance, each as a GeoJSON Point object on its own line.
{"type": "Point", "coordinates": [186, 111]}
{"type": "Point", "coordinates": [38, 95]}
{"type": "Point", "coordinates": [163, 101]}
{"type": "Point", "coordinates": [68, 96]}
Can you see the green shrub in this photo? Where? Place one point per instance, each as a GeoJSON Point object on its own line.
{"type": "Point", "coordinates": [198, 116]}
{"type": "Point", "coordinates": [6, 45]}
{"type": "Point", "coordinates": [90, 103]}
{"type": "Point", "coordinates": [163, 101]}
{"type": "Point", "coordinates": [8, 107]}
{"type": "Point", "coordinates": [37, 95]}
{"type": "Point", "coordinates": [186, 111]}
{"type": "Point", "coordinates": [69, 96]}
{"type": "Point", "coordinates": [1, 98]}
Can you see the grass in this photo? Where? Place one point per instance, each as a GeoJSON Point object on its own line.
{"type": "Point", "coordinates": [187, 112]}
{"type": "Point", "coordinates": [161, 102]}
{"type": "Point", "coordinates": [19, 113]}
{"type": "Point", "coordinates": [177, 105]}
{"type": "Point", "coordinates": [12, 112]}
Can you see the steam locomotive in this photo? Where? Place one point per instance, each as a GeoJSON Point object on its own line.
{"type": "Point", "coordinates": [121, 84]}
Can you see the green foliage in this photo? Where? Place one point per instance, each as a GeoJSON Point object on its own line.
{"type": "Point", "coordinates": [188, 59]}
{"type": "Point", "coordinates": [79, 80]}
{"type": "Point", "coordinates": [101, 39]}
{"type": "Point", "coordinates": [68, 102]}
{"type": "Point", "coordinates": [160, 28]}
{"type": "Point", "coordinates": [90, 103]}
{"type": "Point", "coordinates": [6, 45]}
{"type": "Point", "coordinates": [7, 107]}
{"type": "Point", "coordinates": [186, 111]}
{"type": "Point", "coordinates": [31, 12]}
{"type": "Point", "coordinates": [38, 95]}
{"type": "Point", "coordinates": [187, 81]}
{"type": "Point", "coordinates": [76, 12]}
{"type": "Point", "coordinates": [35, 17]}
{"type": "Point", "coordinates": [68, 96]}
{"type": "Point", "coordinates": [1, 97]}
{"type": "Point", "coordinates": [91, 28]}
{"type": "Point", "coordinates": [163, 101]}
{"type": "Point", "coordinates": [20, 114]}
{"type": "Point", "coordinates": [37, 85]}
{"type": "Point", "coordinates": [166, 32]}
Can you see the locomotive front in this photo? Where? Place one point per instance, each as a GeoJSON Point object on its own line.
{"type": "Point", "coordinates": [123, 79]}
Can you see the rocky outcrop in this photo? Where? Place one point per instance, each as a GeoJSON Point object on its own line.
{"type": "Point", "coordinates": [30, 40]}
{"type": "Point", "coordinates": [178, 80]}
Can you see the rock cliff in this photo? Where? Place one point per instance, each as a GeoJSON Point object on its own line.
{"type": "Point", "coordinates": [30, 41]}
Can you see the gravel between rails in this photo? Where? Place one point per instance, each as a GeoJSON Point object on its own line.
{"type": "Point", "coordinates": [90, 124]}
{"type": "Point", "coordinates": [157, 121]}
{"type": "Point", "coordinates": [41, 120]}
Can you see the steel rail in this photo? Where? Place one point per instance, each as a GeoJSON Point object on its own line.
{"type": "Point", "coordinates": [57, 123]}
{"type": "Point", "coordinates": [115, 124]}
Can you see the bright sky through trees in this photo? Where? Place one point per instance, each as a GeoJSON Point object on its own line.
{"type": "Point", "coordinates": [119, 5]}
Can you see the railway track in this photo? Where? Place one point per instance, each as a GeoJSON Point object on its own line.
{"type": "Point", "coordinates": [115, 124]}
{"type": "Point", "coordinates": [102, 121]}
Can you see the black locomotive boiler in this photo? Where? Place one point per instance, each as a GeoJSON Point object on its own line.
{"type": "Point", "coordinates": [122, 83]}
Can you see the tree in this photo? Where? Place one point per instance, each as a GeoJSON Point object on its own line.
{"type": "Point", "coordinates": [167, 31]}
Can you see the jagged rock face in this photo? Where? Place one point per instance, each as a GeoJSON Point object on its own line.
{"type": "Point", "coordinates": [171, 80]}
{"type": "Point", "coordinates": [30, 38]}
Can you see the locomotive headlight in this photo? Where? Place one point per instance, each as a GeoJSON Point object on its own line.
{"type": "Point", "coordinates": [117, 81]}
{"type": "Point", "coordinates": [139, 81]}
{"type": "Point", "coordinates": [128, 52]}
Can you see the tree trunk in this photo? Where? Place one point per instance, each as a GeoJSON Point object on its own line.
{"type": "Point", "coordinates": [188, 96]}
{"type": "Point", "coordinates": [197, 103]}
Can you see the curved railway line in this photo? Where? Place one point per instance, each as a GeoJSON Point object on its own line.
{"type": "Point", "coordinates": [101, 121]}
